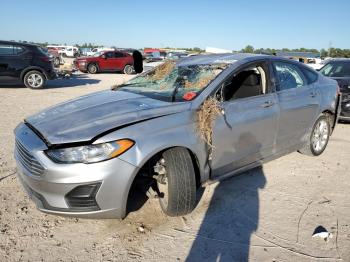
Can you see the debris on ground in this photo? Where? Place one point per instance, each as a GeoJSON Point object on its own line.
{"type": "Point", "coordinates": [321, 232]}
{"type": "Point", "coordinates": [141, 229]}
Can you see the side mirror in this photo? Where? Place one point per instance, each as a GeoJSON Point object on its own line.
{"type": "Point", "coordinates": [103, 56]}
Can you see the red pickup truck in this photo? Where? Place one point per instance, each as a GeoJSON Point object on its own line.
{"type": "Point", "coordinates": [106, 61]}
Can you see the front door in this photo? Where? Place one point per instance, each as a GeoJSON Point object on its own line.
{"type": "Point", "coordinates": [106, 61]}
{"type": "Point", "coordinates": [246, 132]}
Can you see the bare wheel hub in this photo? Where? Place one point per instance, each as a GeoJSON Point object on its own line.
{"type": "Point", "coordinates": [162, 180]}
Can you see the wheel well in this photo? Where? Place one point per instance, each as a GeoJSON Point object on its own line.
{"type": "Point", "coordinates": [25, 71]}
{"type": "Point", "coordinates": [93, 63]}
{"type": "Point", "coordinates": [141, 182]}
{"type": "Point", "coordinates": [139, 189]}
{"type": "Point", "coordinates": [331, 118]}
{"type": "Point", "coordinates": [152, 160]}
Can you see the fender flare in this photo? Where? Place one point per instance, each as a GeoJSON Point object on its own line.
{"type": "Point", "coordinates": [31, 68]}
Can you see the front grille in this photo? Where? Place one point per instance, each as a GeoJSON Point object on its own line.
{"type": "Point", "coordinates": [28, 161]}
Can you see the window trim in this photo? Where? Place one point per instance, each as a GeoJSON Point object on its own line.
{"type": "Point", "coordinates": [265, 64]}
{"type": "Point", "coordinates": [310, 82]}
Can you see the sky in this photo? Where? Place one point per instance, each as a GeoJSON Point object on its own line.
{"type": "Point", "coordinates": [224, 24]}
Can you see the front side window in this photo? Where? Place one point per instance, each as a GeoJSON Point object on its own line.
{"type": "Point", "coordinates": [118, 55]}
{"type": "Point", "coordinates": [248, 82]}
{"type": "Point", "coordinates": [289, 76]}
{"type": "Point", "coordinates": [6, 49]}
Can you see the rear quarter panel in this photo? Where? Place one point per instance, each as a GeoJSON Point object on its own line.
{"type": "Point", "coordinates": [328, 90]}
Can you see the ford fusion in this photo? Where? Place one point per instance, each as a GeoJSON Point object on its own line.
{"type": "Point", "coordinates": [170, 131]}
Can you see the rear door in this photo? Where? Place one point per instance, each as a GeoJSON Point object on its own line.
{"type": "Point", "coordinates": [246, 132]}
{"type": "Point", "coordinates": [118, 61]}
{"type": "Point", "coordinates": [12, 61]}
{"type": "Point", "coordinates": [299, 104]}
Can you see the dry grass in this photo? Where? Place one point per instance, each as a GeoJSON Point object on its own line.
{"type": "Point", "coordinates": [163, 70]}
{"type": "Point", "coordinates": [207, 114]}
{"type": "Point", "coordinates": [201, 83]}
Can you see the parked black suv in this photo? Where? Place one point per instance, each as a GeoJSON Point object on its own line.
{"type": "Point", "coordinates": [339, 69]}
{"type": "Point", "coordinates": [27, 62]}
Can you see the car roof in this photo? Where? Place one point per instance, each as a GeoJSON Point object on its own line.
{"type": "Point", "coordinates": [338, 60]}
{"type": "Point", "coordinates": [17, 43]}
{"type": "Point", "coordinates": [229, 58]}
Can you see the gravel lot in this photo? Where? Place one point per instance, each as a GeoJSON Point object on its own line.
{"type": "Point", "coordinates": [267, 214]}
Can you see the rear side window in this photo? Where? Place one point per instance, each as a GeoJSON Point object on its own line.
{"type": "Point", "coordinates": [6, 50]}
{"type": "Point", "coordinates": [118, 55]}
{"type": "Point", "coordinates": [311, 76]}
{"type": "Point", "coordinates": [289, 76]}
{"type": "Point", "coordinates": [109, 54]}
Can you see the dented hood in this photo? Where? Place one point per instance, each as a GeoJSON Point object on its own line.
{"type": "Point", "coordinates": [84, 118]}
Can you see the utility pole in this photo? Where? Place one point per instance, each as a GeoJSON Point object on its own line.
{"type": "Point", "coordinates": [329, 49]}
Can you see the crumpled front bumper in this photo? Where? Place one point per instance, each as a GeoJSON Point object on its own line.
{"type": "Point", "coordinates": [51, 185]}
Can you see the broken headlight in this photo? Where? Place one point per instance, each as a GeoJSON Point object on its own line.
{"type": "Point", "coordinates": [90, 153]}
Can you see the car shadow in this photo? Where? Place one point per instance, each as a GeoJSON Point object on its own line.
{"type": "Point", "coordinates": [231, 218]}
{"type": "Point", "coordinates": [73, 81]}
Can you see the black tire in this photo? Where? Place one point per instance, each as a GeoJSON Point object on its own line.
{"type": "Point", "coordinates": [34, 79]}
{"type": "Point", "coordinates": [128, 69]}
{"type": "Point", "coordinates": [180, 183]}
{"type": "Point", "coordinates": [312, 148]}
{"type": "Point", "coordinates": [92, 68]}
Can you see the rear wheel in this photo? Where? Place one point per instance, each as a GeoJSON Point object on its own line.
{"type": "Point", "coordinates": [34, 79]}
{"type": "Point", "coordinates": [128, 69]}
{"type": "Point", "coordinates": [92, 69]}
{"type": "Point", "coordinates": [318, 138]}
{"type": "Point", "coordinates": [176, 182]}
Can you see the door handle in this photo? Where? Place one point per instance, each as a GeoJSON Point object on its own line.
{"type": "Point", "coordinates": [313, 93]}
{"type": "Point", "coordinates": [268, 103]}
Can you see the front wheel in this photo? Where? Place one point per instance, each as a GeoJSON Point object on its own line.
{"type": "Point", "coordinates": [34, 79]}
{"type": "Point", "coordinates": [318, 138]}
{"type": "Point", "coordinates": [176, 182]}
{"type": "Point", "coordinates": [128, 69]}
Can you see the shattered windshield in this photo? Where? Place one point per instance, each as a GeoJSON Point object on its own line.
{"type": "Point", "coordinates": [172, 82]}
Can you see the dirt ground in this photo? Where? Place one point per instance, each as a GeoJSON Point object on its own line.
{"type": "Point", "coordinates": [266, 214]}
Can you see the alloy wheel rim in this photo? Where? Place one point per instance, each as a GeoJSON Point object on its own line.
{"type": "Point", "coordinates": [93, 69]}
{"type": "Point", "coordinates": [320, 136]}
{"type": "Point", "coordinates": [35, 80]}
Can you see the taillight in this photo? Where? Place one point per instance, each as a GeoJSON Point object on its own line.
{"type": "Point", "coordinates": [45, 58]}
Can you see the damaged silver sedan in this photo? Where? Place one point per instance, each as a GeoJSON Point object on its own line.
{"type": "Point", "coordinates": [171, 130]}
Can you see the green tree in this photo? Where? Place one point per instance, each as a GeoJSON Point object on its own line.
{"type": "Point", "coordinates": [248, 49]}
